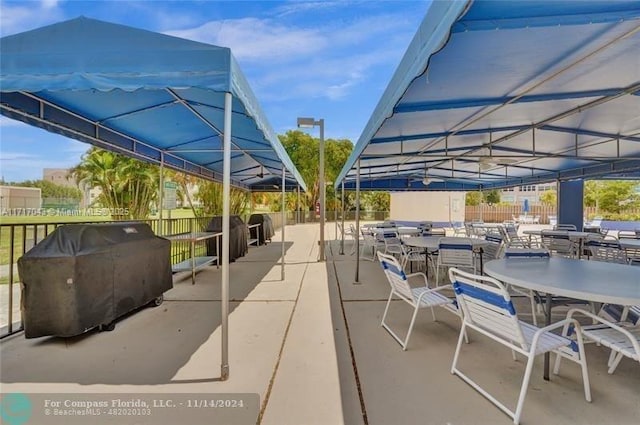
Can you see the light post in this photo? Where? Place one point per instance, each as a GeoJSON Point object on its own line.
{"type": "Point", "coordinates": [310, 123]}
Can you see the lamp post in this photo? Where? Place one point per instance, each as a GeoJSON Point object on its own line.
{"type": "Point", "coordinates": [310, 123]}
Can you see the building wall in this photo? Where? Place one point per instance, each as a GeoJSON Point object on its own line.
{"type": "Point", "coordinates": [428, 206]}
{"type": "Point", "coordinates": [59, 176]}
{"type": "Point", "coordinates": [517, 194]}
{"type": "Point", "coordinates": [20, 197]}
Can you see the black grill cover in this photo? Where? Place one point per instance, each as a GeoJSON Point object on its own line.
{"type": "Point", "coordinates": [263, 233]}
{"type": "Point", "coordinates": [238, 242]}
{"type": "Point", "coordinates": [85, 275]}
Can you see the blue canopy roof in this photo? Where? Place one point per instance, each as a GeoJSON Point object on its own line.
{"type": "Point", "coordinates": [493, 94]}
{"type": "Point", "coordinates": [144, 94]}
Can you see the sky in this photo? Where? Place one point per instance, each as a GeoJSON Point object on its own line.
{"type": "Point", "coordinates": [326, 59]}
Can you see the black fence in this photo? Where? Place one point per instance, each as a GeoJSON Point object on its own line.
{"type": "Point", "coordinates": [16, 239]}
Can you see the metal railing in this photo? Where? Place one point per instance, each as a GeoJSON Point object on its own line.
{"type": "Point", "coordinates": [17, 239]}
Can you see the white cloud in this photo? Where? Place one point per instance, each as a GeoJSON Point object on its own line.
{"type": "Point", "coordinates": [75, 147]}
{"type": "Point", "coordinates": [8, 122]}
{"type": "Point", "coordinates": [14, 156]}
{"type": "Point", "coordinates": [28, 15]}
{"type": "Point", "coordinates": [253, 39]}
{"type": "Point", "coordinates": [20, 166]}
{"type": "Point", "coordinates": [324, 61]}
{"type": "Point", "coordinates": [306, 6]}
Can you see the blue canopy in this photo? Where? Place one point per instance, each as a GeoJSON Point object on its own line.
{"type": "Point", "coordinates": [493, 94]}
{"type": "Point", "coordinates": [144, 94]}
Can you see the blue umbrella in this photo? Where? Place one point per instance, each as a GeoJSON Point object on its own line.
{"type": "Point", "coordinates": [525, 206]}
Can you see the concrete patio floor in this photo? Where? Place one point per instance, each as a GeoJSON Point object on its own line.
{"type": "Point", "coordinates": [311, 346]}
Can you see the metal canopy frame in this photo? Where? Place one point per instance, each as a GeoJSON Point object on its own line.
{"type": "Point", "coordinates": [78, 79]}
{"type": "Point", "coordinates": [492, 95]}
{"type": "Point", "coordinates": [167, 107]}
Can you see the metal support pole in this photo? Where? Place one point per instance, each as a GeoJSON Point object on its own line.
{"type": "Point", "coordinates": [335, 210]}
{"type": "Point", "coordinates": [322, 190]}
{"type": "Point", "coordinates": [298, 206]}
{"type": "Point", "coordinates": [226, 195]}
{"type": "Point", "coordinates": [358, 223]}
{"type": "Point", "coordinates": [284, 222]}
{"type": "Point", "coordinates": [161, 194]}
{"type": "Point", "coordinates": [342, 218]}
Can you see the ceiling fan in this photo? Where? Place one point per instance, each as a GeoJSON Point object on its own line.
{"type": "Point", "coordinates": [487, 162]}
{"type": "Point", "coordinates": [426, 179]}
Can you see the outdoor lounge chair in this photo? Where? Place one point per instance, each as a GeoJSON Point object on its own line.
{"type": "Point", "coordinates": [487, 308]}
{"type": "Point", "coordinates": [609, 251]}
{"type": "Point", "coordinates": [621, 336]}
{"type": "Point", "coordinates": [421, 297]}
{"type": "Point", "coordinates": [455, 252]}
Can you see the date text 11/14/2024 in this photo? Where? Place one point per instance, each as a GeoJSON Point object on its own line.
{"type": "Point", "coordinates": [200, 403]}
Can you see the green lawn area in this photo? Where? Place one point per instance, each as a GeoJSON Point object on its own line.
{"type": "Point", "coordinates": [36, 227]}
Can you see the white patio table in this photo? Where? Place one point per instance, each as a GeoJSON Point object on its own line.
{"type": "Point", "coordinates": [596, 281]}
{"type": "Point", "coordinates": [402, 230]}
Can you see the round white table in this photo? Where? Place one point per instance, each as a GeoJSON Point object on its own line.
{"type": "Point", "coordinates": [586, 280]}
{"type": "Point", "coordinates": [597, 281]}
{"type": "Point", "coordinates": [403, 230]}
{"type": "Point", "coordinates": [430, 243]}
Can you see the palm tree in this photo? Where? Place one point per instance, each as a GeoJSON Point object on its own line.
{"type": "Point", "coordinates": [128, 186]}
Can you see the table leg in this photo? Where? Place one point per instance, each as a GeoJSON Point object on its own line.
{"type": "Point", "coordinates": [547, 321]}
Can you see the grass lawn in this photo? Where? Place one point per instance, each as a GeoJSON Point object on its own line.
{"type": "Point", "coordinates": [36, 227]}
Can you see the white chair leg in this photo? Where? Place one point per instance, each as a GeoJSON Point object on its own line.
{"type": "Point", "coordinates": [413, 320]}
{"type": "Point", "coordinates": [433, 314]}
{"type": "Point", "coordinates": [386, 309]}
{"type": "Point", "coordinates": [556, 364]}
{"type": "Point", "coordinates": [463, 334]}
{"type": "Point", "coordinates": [614, 364]}
{"type": "Point", "coordinates": [523, 389]}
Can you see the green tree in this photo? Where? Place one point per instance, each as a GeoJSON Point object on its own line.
{"type": "Point", "coordinates": [210, 195]}
{"type": "Point", "coordinates": [378, 202]}
{"type": "Point", "coordinates": [472, 199]}
{"type": "Point", "coordinates": [51, 190]}
{"type": "Point", "coordinates": [611, 196]}
{"type": "Point", "coordinates": [304, 152]}
{"type": "Point", "coordinates": [549, 197]}
{"type": "Point", "coordinates": [185, 181]}
{"type": "Point", "coordinates": [492, 197]}
{"type": "Point", "coordinates": [129, 187]}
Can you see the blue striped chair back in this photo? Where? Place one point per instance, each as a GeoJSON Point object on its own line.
{"type": "Point", "coordinates": [486, 304]}
{"type": "Point", "coordinates": [396, 276]}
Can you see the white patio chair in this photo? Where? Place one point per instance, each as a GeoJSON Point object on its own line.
{"type": "Point", "coordinates": [413, 255]}
{"type": "Point", "coordinates": [459, 230]}
{"type": "Point", "coordinates": [493, 250]}
{"type": "Point", "coordinates": [354, 234]}
{"type": "Point", "coordinates": [369, 242]}
{"type": "Point", "coordinates": [393, 245]}
{"type": "Point", "coordinates": [623, 338]}
{"type": "Point", "coordinates": [570, 227]}
{"type": "Point", "coordinates": [608, 251]}
{"type": "Point", "coordinates": [421, 297]}
{"type": "Point", "coordinates": [487, 308]}
{"type": "Point", "coordinates": [558, 245]}
{"type": "Point", "coordinates": [436, 231]}
{"type": "Point", "coordinates": [521, 252]}
{"type": "Point", "coordinates": [455, 252]}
